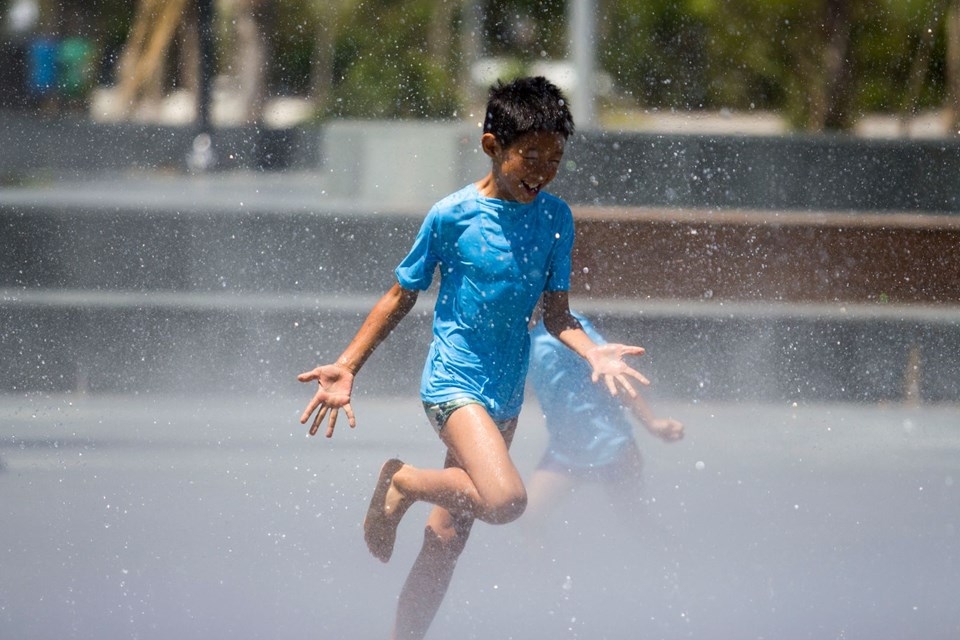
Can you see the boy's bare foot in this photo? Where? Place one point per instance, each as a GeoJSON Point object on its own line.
{"type": "Point", "coordinates": [387, 507]}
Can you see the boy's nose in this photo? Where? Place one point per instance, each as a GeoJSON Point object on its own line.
{"type": "Point", "coordinates": [544, 172]}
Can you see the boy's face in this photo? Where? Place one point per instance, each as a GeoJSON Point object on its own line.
{"type": "Point", "coordinates": [528, 165]}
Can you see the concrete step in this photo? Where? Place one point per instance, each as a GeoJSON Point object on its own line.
{"type": "Point", "coordinates": [249, 233]}
{"type": "Point", "coordinates": [129, 342]}
{"type": "Point", "coordinates": [837, 257]}
{"type": "Point", "coordinates": [239, 281]}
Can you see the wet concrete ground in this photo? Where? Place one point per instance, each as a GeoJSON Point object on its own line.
{"type": "Point", "coordinates": [162, 517]}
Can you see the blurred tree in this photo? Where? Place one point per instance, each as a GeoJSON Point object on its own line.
{"type": "Point", "coordinates": [656, 51]}
{"type": "Point", "coordinates": [142, 64]}
{"type": "Point", "coordinates": [920, 72]}
{"type": "Point", "coordinates": [822, 63]}
{"type": "Point", "coordinates": [953, 65]}
{"type": "Point", "coordinates": [832, 110]}
{"type": "Point", "coordinates": [331, 18]}
{"type": "Point", "coordinates": [527, 30]}
{"type": "Point", "coordinates": [250, 55]}
{"type": "Point", "coordinates": [161, 52]}
{"type": "Point", "coordinates": [392, 60]}
{"type": "Point", "coordinates": [899, 51]}
{"type": "Point", "coordinates": [819, 62]}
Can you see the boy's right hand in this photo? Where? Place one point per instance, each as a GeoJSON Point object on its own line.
{"type": "Point", "coordinates": [335, 386]}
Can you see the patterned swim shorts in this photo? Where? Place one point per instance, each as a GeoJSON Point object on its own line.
{"type": "Point", "coordinates": [438, 413]}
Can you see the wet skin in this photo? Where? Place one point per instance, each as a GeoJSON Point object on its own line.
{"type": "Point", "coordinates": [521, 170]}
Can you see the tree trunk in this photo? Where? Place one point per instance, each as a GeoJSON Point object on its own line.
{"type": "Point", "coordinates": [329, 20]}
{"type": "Point", "coordinates": [251, 55]}
{"type": "Point", "coordinates": [920, 65]}
{"type": "Point", "coordinates": [440, 31]}
{"type": "Point", "coordinates": [141, 63]}
{"type": "Point", "coordinates": [321, 65]}
{"type": "Point", "coordinates": [953, 66]}
{"type": "Point", "coordinates": [837, 67]}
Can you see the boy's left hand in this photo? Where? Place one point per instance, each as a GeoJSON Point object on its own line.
{"type": "Point", "coordinates": [607, 363]}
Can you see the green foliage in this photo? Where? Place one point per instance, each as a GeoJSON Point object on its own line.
{"type": "Point", "coordinates": [655, 51]}
{"type": "Point", "coordinates": [111, 20]}
{"type": "Point", "coordinates": [293, 27]}
{"type": "Point", "coordinates": [525, 29]}
{"type": "Point", "coordinates": [389, 61]}
{"type": "Point", "coordinates": [682, 54]}
{"type": "Point", "coordinates": [770, 54]}
{"type": "Point", "coordinates": [382, 68]}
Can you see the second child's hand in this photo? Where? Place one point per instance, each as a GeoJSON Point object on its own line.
{"type": "Point", "coordinates": [335, 384]}
{"type": "Point", "coordinates": [666, 429]}
{"type": "Point", "coordinates": [607, 362]}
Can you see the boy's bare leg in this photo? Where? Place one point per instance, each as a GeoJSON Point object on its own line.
{"type": "Point", "coordinates": [484, 483]}
{"type": "Point", "coordinates": [447, 530]}
{"type": "Point", "coordinates": [443, 540]}
{"type": "Point", "coordinates": [482, 452]}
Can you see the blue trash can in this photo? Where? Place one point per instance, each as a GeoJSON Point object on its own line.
{"type": "Point", "coordinates": [42, 67]}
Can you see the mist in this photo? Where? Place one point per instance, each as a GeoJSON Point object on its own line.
{"type": "Point", "coordinates": [189, 516]}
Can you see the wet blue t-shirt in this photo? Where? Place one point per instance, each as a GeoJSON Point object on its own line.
{"type": "Point", "coordinates": [588, 427]}
{"type": "Point", "coordinates": [495, 258]}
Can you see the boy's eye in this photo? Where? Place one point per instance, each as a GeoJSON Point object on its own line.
{"type": "Point", "coordinates": [535, 160]}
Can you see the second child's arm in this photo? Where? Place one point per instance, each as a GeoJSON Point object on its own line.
{"type": "Point", "coordinates": [605, 360]}
{"type": "Point", "coordinates": [335, 380]}
{"type": "Point", "coordinates": [664, 428]}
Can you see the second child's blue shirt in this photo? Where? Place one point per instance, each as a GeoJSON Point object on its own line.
{"type": "Point", "coordinates": [588, 427]}
{"type": "Point", "coordinates": [495, 259]}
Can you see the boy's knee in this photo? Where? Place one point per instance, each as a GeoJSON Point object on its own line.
{"type": "Point", "coordinates": [510, 507]}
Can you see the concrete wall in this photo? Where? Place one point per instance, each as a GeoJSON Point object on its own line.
{"type": "Point", "coordinates": [39, 149]}
{"type": "Point", "coordinates": [234, 282]}
{"type": "Point", "coordinates": [407, 164]}
{"type": "Point", "coordinates": [818, 173]}
{"type": "Point", "coordinates": [412, 162]}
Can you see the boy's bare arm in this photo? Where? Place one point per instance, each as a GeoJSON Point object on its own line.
{"type": "Point", "coordinates": [664, 428]}
{"type": "Point", "coordinates": [606, 360]}
{"type": "Point", "coordinates": [335, 381]}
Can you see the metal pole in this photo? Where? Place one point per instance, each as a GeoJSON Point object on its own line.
{"type": "Point", "coordinates": [581, 18]}
{"type": "Point", "coordinates": [201, 156]}
{"type": "Point", "coordinates": [472, 51]}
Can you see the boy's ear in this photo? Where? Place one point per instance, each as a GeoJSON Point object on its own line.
{"type": "Point", "coordinates": [489, 144]}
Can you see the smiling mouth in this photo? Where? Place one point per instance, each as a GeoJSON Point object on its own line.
{"type": "Point", "coordinates": [534, 190]}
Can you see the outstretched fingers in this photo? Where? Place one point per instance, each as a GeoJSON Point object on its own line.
{"type": "Point", "coordinates": [332, 423]}
{"type": "Point", "coordinates": [636, 375]}
{"type": "Point", "coordinates": [617, 375]}
{"type": "Point", "coordinates": [631, 350]}
{"type": "Point", "coordinates": [333, 393]}
{"type": "Point", "coordinates": [317, 398]}
{"type": "Point", "coordinates": [623, 379]}
{"type": "Point", "coordinates": [616, 382]}
{"type": "Point", "coordinates": [321, 414]}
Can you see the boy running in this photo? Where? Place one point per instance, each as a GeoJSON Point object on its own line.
{"type": "Point", "coordinates": [500, 244]}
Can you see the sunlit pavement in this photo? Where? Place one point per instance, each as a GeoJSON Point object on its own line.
{"type": "Point", "coordinates": [190, 517]}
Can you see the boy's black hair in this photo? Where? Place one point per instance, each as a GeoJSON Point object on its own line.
{"type": "Point", "coordinates": [526, 105]}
